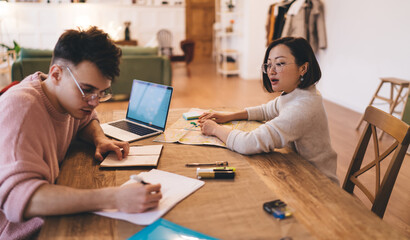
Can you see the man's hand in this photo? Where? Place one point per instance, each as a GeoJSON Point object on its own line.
{"type": "Point", "coordinates": [103, 145]}
{"type": "Point", "coordinates": [135, 197]}
{"type": "Point", "coordinates": [51, 200]}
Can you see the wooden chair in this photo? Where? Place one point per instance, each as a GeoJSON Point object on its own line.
{"type": "Point", "coordinates": [164, 38]}
{"type": "Point", "coordinates": [397, 87]}
{"type": "Point", "coordinates": [6, 60]}
{"type": "Point", "coordinates": [396, 128]}
{"type": "Point", "coordinates": [188, 47]}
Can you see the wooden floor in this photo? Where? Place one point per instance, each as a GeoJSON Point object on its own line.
{"type": "Point", "coordinates": [200, 86]}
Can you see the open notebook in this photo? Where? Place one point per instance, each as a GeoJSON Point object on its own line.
{"type": "Point", "coordinates": [147, 155]}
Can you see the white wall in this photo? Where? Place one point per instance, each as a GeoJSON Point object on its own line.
{"type": "Point", "coordinates": [254, 34]}
{"type": "Point", "coordinates": [38, 25]}
{"type": "Point", "coordinates": [367, 39]}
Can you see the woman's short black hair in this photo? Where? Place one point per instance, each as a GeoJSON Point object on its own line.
{"type": "Point", "coordinates": [92, 45]}
{"type": "Point", "coordinates": [302, 51]}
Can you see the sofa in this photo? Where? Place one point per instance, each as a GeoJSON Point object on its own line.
{"type": "Point", "coordinates": [141, 63]}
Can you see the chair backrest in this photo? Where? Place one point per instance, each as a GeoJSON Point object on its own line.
{"type": "Point", "coordinates": [164, 38]}
{"type": "Point", "coordinates": [399, 130]}
{"type": "Point", "coordinates": [188, 47]}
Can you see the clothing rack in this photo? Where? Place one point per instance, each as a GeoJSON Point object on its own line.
{"type": "Point", "coordinates": [305, 20]}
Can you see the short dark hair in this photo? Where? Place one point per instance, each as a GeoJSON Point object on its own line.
{"type": "Point", "coordinates": [302, 51]}
{"type": "Point", "coordinates": [92, 45]}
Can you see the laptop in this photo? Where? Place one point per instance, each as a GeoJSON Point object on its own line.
{"type": "Point", "coordinates": [147, 112]}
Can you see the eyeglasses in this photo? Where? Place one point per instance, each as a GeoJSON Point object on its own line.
{"type": "Point", "coordinates": [277, 67]}
{"type": "Point", "coordinates": [101, 96]}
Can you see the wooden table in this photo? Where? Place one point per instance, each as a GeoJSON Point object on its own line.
{"type": "Point", "coordinates": [226, 209]}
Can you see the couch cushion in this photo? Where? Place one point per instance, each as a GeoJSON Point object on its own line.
{"type": "Point", "coordinates": [35, 53]}
{"type": "Point", "coordinates": [137, 50]}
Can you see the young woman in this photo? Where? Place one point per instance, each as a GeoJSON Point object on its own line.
{"type": "Point", "coordinates": [296, 119]}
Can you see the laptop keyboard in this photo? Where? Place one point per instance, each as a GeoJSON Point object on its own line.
{"type": "Point", "coordinates": [134, 128]}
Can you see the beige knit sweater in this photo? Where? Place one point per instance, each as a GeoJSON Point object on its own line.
{"type": "Point", "coordinates": [297, 120]}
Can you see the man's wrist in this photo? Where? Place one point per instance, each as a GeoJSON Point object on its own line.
{"type": "Point", "coordinates": [106, 196]}
{"type": "Point", "coordinates": [99, 139]}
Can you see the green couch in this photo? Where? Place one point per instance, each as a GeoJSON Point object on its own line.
{"type": "Point", "coordinates": [136, 63]}
{"type": "Point", "coordinates": [30, 61]}
{"type": "Point", "coordinates": [142, 64]}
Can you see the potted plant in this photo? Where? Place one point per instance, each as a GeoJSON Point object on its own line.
{"type": "Point", "coordinates": [16, 47]}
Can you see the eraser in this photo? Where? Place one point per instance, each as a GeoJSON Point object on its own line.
{"type": "Point", "coordinates": [191, 115]}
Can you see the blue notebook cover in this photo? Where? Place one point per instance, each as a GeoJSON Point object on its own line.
{"type": "Point", "coordinates": [163, 230]}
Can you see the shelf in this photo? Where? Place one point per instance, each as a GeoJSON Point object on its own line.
{"type": "Point", "coordinates": [222, 33]}
{"type": "Point", "coordinates": [229, 52]}
{"type": "Point", "coordinates": [227, 32]}
{"type": "Point", "coordinates": [227, 13]}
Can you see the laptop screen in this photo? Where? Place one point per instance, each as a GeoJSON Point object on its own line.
{"type": "Point", "coordinates": [149, 103]}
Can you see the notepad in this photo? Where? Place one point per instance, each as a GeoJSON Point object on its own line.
{"type": "Point", "coordinates": [192, 115]}
{"type": "Point", "coordinates": [138, 156]}
{"type": "Point", "coordinates": [174, 188]}
{"type": "Point", "coordinates": [164, 229]}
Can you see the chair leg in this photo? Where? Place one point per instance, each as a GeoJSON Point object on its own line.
{"type": "Point", "coordinates": [396, 100]}
{"type": "Point", "coordinates": [371, 102]}
{"type": "Point", "coordinates": [393, 104]}
{"type": "Point", "coordinates": [382, 199]}
{"type": "Point", "coordinates": [405, 97]}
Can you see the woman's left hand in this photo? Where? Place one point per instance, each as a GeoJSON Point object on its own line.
{"type": "Point", "coordinates": [208, 127]}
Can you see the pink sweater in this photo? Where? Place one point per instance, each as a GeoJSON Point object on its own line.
{"type": "Point", "coordinates": [34, 139]}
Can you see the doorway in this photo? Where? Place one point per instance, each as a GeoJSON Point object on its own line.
{"type": "Point", "coordinates": [200, 17]}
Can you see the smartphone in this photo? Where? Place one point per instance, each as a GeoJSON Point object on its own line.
{"type": "Point", "coordinates": [277, 208]}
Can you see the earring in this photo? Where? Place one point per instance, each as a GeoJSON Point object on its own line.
{"type": "Point", "coordinates": [301, 78]}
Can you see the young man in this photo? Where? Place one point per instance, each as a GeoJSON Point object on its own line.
{"type": "Point", "coordinates": [39, 119]}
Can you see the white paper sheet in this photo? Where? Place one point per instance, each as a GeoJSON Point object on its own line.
{"type": "Point", "coordinates": [174, 189]}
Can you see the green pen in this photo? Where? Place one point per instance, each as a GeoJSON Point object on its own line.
{"type": "Point", "coordinates": [194, 123]}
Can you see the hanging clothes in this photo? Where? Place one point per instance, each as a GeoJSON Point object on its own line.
{"type": "Point", "coordinates": [281, 18]}
{"type": "Point", "coordinates": [306, 20]}
{"type": "Point", "coordinates": [270, 25]}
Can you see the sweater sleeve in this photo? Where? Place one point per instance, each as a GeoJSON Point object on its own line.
{"type": "Point", "coordinates": [24, 168]}
{"type": "Point", "coordinates": [263, 112]}
{"type": "Point", "coordinates": [276, 133]}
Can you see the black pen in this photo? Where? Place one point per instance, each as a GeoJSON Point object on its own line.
{"type": "Point", "coordinates": [138, 179]}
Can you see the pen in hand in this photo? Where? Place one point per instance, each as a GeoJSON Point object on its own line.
{"type": "Point", "coordinates": [138, 179]}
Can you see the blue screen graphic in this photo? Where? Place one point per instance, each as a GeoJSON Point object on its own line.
{"type": "Point", "coordinates": [149, 103]}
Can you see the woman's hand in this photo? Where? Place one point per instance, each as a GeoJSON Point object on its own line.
{"type": "Point", "coordinates": [208, 127]}
{"type": "Point", "coordinates": [211, 128]}
{"type": "Point", "coordinates": [217, 117]}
